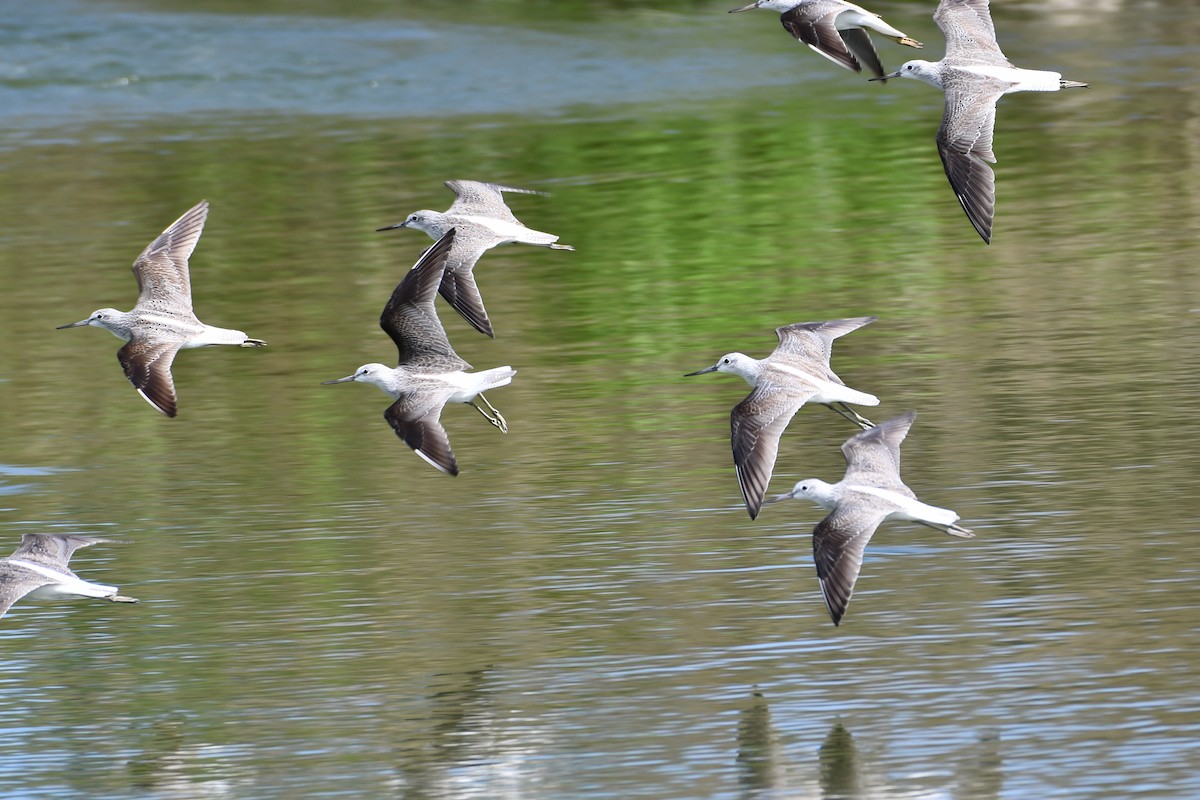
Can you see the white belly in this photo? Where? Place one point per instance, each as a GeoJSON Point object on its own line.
{"type": "Point", "coordinates": [61, 584]}
{"type": "Point", "coordinates": [909, 508]}
{"type": "Point", "coordinates": [1024, 80]}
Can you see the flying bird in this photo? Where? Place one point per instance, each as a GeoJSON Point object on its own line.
{"type": "Point", "coordinates": [38, 569]}
{"type": "Point", "coordinates": [162, 323]}
{"type": "Point", "coordinates": [429, 373]}
{"type": "Point", "coordinates": [973, 75]}
{"type": "Point", "coordinates": [835, 29]}
{"type": "Point", "coordinates": [483, 221]}
{"type": "Point", "coordinates": [795, 373]}
{"type": "Point", "coordinates": [870, 493]}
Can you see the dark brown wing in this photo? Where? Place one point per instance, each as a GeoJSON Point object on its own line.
{"type": "Point", "coordinates": [410, 317]}
{"type": "Point", "coordinates": [756, 424]}
{"type": "Point", "coordinates": [859, 43]}
{"type": "Point", "coordinates": [964, 142]}
{"type": "Point", "coordinates": [839, 541]}
{"type": "Point", "coordinates": [820, 34]}
{"type": "Point", "coordinates": [416, 419]}
{"type": "Point", "coordinates": [458, 281]}
{"type": "Point", "coordinates": [147, 364]}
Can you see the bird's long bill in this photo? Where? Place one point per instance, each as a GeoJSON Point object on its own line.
{"type": "Point", "coordinates": [713, 368]}
{"type": "Point", "coordinates": [346, 379]}
{"type": "Point", "coordinates": [79, 324]}
{"type": "Point", "coordinates": [895, 74]}
{"type": "Point", "coordinates": [777, 498]}
{"type": "Point", "coordinates": [393, 227]}
{"type": "Point", "coordinates": [743, 8]}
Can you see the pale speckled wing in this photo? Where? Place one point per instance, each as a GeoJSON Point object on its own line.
{"type": "Point", "coordinates": [52, 549]}
{"type": "Point", "coordinates": [812, 342]}
{"type": "Point", "coordinates": [147, 365]}
{"type": "Point", "coordinates": [411, 319]}
{"type": "Point", "coordinates": [483, 199]}
{"type": "Point", "coordinates": [162, 268]}
{"type": "Point", "coordinates": [970, 34]}
{"type": "Point", "coordinates": [839, 541]}
{"type": "Point", "coordinates": [873, 455]}
{"type": "Point", "coordinates": [15, 583]}
{"type": "Point", "coordinates": [458, 281]}
{"type": "Point", "coordinates": [756, 424]}
{"type": "Point", "coordinates": [964, 142]}
{"type": "Point", "coordinates": [416, 419]}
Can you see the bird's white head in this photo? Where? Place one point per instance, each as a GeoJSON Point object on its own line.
{"type": "Point", "coordinates": [734, 364]}
{"type": "Point", "coordinates": [110, 319]}
{"type": "Point", "coordinates": [814, 489]}
{"type": "Point", "coordinates": [379, 375]}
{"type": "Point", "coordinates": [919, 70]}
{"type": "Point", "coordinates": [433, 223]}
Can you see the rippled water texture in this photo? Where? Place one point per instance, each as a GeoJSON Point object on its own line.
{"type": "Point", "coordinates": [587, 611]}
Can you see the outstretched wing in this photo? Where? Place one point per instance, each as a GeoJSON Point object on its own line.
{"type": "Point", "coordinates": [52, 548]}
{"type": "Point", "coordinates": [970, 34]}
{"type": "Point", "coordinates": [483, 199]}
{"type": "Point", "coordinates": [458, 282]}
{"type": "Point", "coordinates": [873, 455]}
{"type": "Point", "coordinates": [162, 268]}
{"type": "Point", "coordinates": [410, 317]}
{"type": "Point", "coordinates": [756, 424]}
{"type": "Point", "coordinates": [964, 142]}
{"type": "Point", "coordinates": [415, 417]}
{"type": "Point", "coordinates": [839, 541]}
{"type": "Point", "coordinates": [147, 364]}
{"type": "Point", "coordinates": [16, 582]}
{"type": "Point", "coordinates": [813, 341]}
{"type": "Point", "coordinates": [818, 31]}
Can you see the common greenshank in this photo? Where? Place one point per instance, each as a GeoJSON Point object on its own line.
{"type": "Point", "coordinates": [162, 322]}
{"type": "Point", "coordinates": [38, 569]}
{"type": "Point", "coordinates": [795, 373]}
{"type": "Point", "coordinates": [973, 75]}
{"type": "Point", "coordinates": [483, 221]}
{"type": "Point", "coordinates": [835, 29]}
{"type": "Point", "coordinates": [870, 493]}
{"type": "Point", "coordinates": [429, 374]}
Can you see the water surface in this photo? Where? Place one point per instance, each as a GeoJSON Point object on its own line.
{"type": "Point", "coordinates": [587, 610]}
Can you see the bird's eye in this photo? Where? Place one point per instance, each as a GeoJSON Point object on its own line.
{"type": "Point", "coordinates": [910, 68]}
{"type": "Point", "coordinates": [725, 360]}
